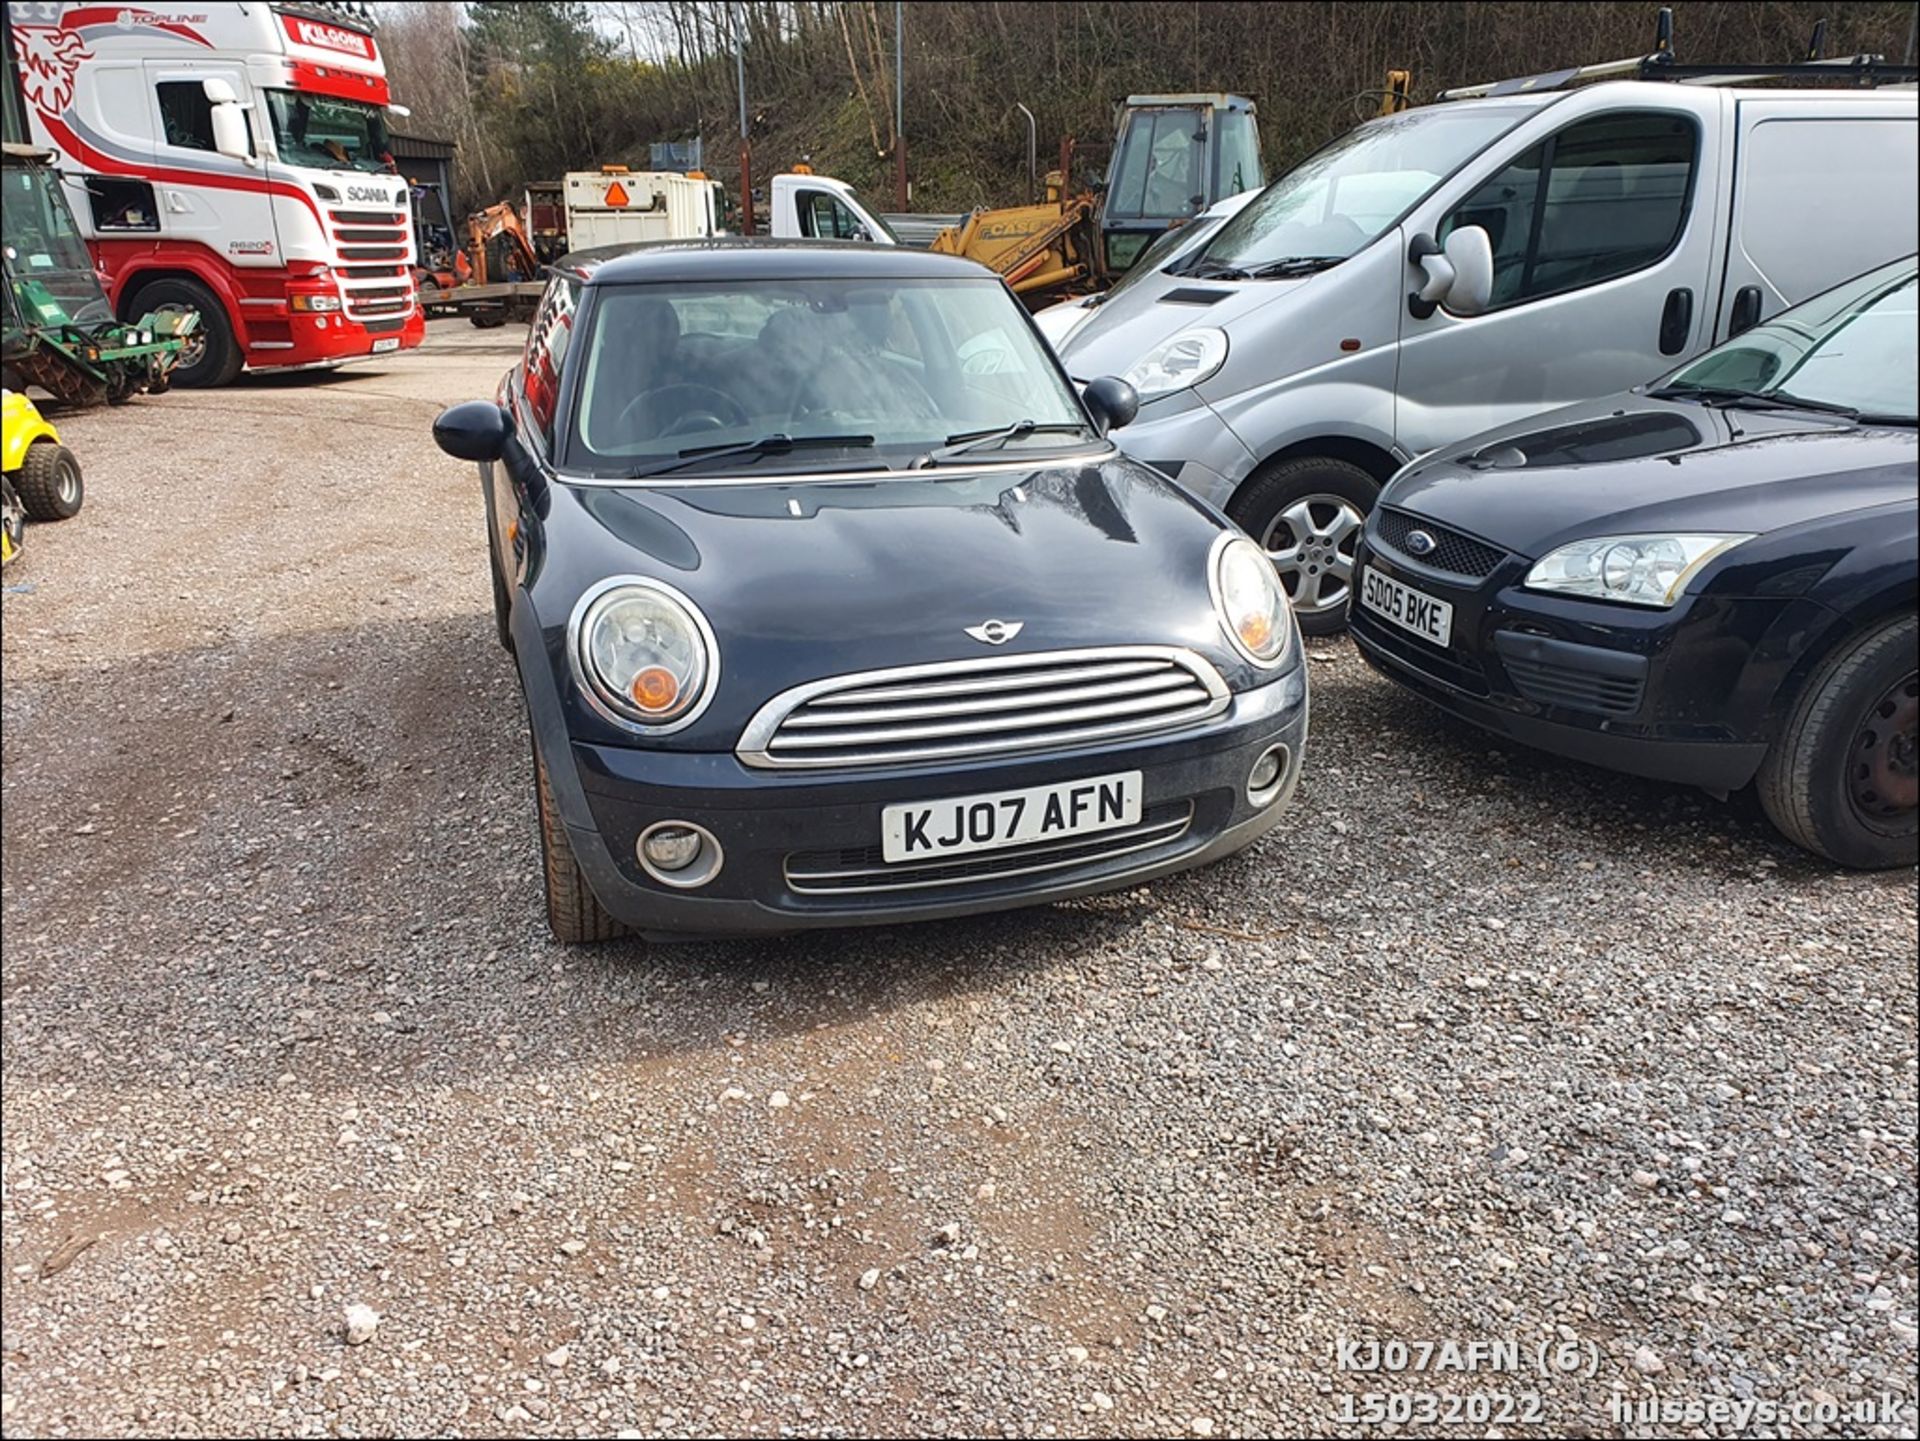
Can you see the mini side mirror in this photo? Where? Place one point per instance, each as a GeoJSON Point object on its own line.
{"type": "Point", "coordinates": [477, 431]}
{"type": "Point", "coordinates": [1112, 401]}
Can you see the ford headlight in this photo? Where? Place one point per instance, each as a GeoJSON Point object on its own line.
{"type": "Point", "coordinates": [1252, 607]}
{"type": "Point", "coordinates": [1637, 569]}
{"type": "Point", "coordinates": [642, 653]}
{"type": "Point", "coordinates": [1176, 363]}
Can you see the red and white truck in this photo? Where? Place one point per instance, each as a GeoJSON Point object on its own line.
{"type": "Point", "coordinates": [230, 159]}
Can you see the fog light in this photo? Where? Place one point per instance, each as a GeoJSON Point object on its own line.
{"type": "Point", "coordinates": [1264, 779]}
{"type": "Point", "coordinates": [672, 848]}
{"type": "Point", "coordinates": [678, 854]}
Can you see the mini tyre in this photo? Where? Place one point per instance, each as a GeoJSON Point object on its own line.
{"type": "Point", "coordinates": [574, 913]}
{"type": "Point", "coordinates": [1840, 778]}
{"type": "Point", "coordinates": [49, 483]}
{"type": "Point", "coordinates": [1307, 514]}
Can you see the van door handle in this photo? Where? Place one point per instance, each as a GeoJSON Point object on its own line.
{"type": "Point", "coordinates": [1746, 310]}
{"type": "Point", "coordinates": [1676, 321]}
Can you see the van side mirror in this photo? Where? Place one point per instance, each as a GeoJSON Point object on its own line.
{"type": "Point", "coordinates": [1470, 252]}
{"type": "Point", "coordinates": [1458, 275]}
{"type": "Point", "coordinates": [1112, 402]}
{"type": "Point", "coordinates": [477, 430]}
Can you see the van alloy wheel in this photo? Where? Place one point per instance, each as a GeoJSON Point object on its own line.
{"type": "Point", "coordinates": [1311, 544]}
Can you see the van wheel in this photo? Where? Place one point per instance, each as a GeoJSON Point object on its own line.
{"type": "Point", "coordinates": [50, 487]}
{"type": "Point", "coordinates": [1843, 776]}
{"type": "Point", "coordinates": [574, 913]}
{"type": "Point", "coordinates": [1307, 515]}
{"type": "Point", "coordinates": [212, 355]}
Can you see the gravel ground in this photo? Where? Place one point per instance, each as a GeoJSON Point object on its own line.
{"type": "Point", "coordinates": [1480, 1047]}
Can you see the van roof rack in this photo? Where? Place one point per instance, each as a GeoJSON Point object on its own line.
{"type": "Point", "coordinates": [1659, 64]}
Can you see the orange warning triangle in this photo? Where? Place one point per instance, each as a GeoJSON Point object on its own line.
{"type": "Point", "coordinates": [616, 194]}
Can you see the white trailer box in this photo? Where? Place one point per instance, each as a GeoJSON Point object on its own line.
{"type": "Point", "coordinates": [621, 207]}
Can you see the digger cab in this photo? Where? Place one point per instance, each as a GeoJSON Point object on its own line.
{"type": "Point", "coordinates": [1174, 156]}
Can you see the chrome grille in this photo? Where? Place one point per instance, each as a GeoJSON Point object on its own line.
{"type": "Point", "coordinates": [1050, 700]}
{"type": "Point", "coordinates": [862, 870]}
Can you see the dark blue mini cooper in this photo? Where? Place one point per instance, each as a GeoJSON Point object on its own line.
{"type": "Point", "coordinates": [832, 603]}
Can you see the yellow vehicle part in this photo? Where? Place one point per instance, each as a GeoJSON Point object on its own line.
{"type": "Point", "coordinates": [1035, 248]}
{"type": "Point", "coordinates": [21, 425]}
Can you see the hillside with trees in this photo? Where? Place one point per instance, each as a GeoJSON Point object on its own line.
{"type": "Point", "coordinates": [532, 88]}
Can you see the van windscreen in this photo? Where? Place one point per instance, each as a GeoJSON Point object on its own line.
{"type": "Point", "coordinates": [1337, 201]}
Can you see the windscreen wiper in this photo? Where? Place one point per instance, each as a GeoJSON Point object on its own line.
{"type": "Point", "coordinates": [766, 445]}
{"type": "Point", "coordinates": [969, 441]}
{"type": "Point", "coordinates": [1294, 265]}
{"type": "Point", "coordinates": [1202, 271]}
{"type": "Point", "coordinates": [1731, 398]}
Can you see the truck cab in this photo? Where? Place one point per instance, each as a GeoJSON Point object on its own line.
{"type": "Point", "coordinates": [818, 207]}
{"type": "Point", "coordinates": [232, 162]}
{"type": "Point", "coordinates": [1175, 156]}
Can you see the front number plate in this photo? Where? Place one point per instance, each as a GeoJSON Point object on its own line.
{"type": "Point", "coordinates": [386, 343]}
{"type": "Point", "coordinates": [1425, 616]}
{"type": "Point", "coordinates": [922, 830]}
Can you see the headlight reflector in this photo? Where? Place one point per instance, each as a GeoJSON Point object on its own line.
{"type": "Point", "coordinates": [642, 651]}
{"type": "Point", "coordinates": [1251, 605]}
{"type": "Point", "coordinates": [1178, 362]}
{"type": "Point", "coordinates": [1635, 569]}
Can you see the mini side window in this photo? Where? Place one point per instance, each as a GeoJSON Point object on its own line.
{"type": "Point", "coordinates": [1601, 199]}
{"type": "Point", "coordinates": [545, 362]}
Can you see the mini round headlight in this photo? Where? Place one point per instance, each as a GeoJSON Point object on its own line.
{"type": "Point", "coordinates": [643, 652]}
{"type": "Point", "coordinates": [1252, 607]}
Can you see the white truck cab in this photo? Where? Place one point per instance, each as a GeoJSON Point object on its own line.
{"type": "Point", "coordinates": [817, 207]}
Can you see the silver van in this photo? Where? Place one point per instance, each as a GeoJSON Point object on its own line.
{"type": "Point", "coordinates": [1458, 266]}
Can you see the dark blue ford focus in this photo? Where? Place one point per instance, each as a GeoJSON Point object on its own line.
{"type": "Point", "coordinates": [832, 604]}
{"type": "Point", "coordinates": [1712, 579]}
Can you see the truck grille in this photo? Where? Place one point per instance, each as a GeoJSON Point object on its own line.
{"type": "Point", "coordinates": [1452, 552]}
{"type": "Point", "coordinates": [1044, 701]}
{"type": "Point", "coordinates": [862, 870]}
{"type": "Point", "coordinates": [375, 249]}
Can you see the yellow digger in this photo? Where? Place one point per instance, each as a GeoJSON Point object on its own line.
{"type": "Point", "coordinates": [1173, 156]}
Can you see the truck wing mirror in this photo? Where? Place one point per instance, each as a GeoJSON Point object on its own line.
{"type": "Point", "coordinates": [229, 120]}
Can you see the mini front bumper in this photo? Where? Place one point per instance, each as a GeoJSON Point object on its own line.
{"type": "Point", "coordinates": [764, 821]}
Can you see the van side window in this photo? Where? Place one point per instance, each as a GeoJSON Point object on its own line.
{"type": "Point", "coordinates": [186, 115]}
{"type": "Point", "coordinates": [548, 341]}
{"type": "Point", "coordinates": [1603, 198]}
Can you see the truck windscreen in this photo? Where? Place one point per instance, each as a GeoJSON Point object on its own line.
{"type": "Point", "coordinates": [328, 134]}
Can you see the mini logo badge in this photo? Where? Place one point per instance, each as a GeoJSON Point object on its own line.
{"type": "Point", "coordinates": [996, 632]}
{"type": "Point", "coordinates": [1420, 543]}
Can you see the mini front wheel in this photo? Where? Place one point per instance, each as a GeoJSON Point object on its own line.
{"type": "Point", "coordinates": [574, 913]}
